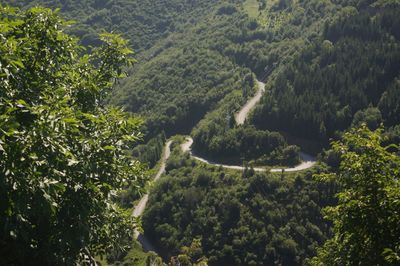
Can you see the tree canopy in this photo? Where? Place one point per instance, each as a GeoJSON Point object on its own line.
{"type": "Point", "coordinates": [61, 149]}
{"type": "Point", "coordinates": [238, 218]}
{"type": "Point", "coordinates": [328, 66]}
{"type": "Point", "coordinates": [366, 218]}
{"type": "Point", "coordinates": [347, 75]}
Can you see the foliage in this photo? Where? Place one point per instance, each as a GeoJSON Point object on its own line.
{"type": "Point", "coordinates": [187, 74]}
{"type": "Point", "coordinates": [175, 89]}
{"type": "Point", "coordinates": [178, 82]}
{"type": "Point", "coordinates": [191, 256]}
{"type": "Point", "coordinates": [259, 220]}
{"type": "Point", "coordinates": [62, 151]}
{"type": "Point", "coordinates": [135, 256]}
{"type": "Point", "coordinates": [328, 65]}
{"type": "Point", "coordinates": [143, 22]}
{"type": "Point", "coordinates": [219, 138]}
{"type": "Point", "coordinates": [353, 66]}
{"type": "Point", "coordinates": [150, 152]}
{"type": "Point", "coordinates": [196, 54]}
{"type": "Point", "coordinates": [244, 144]}
{"type": "Point", "coordinates": [371, 116]}
{"type": "Point", "coordinates": [251, 8]}
{"type": "Point", "coordinates": [366, 218]}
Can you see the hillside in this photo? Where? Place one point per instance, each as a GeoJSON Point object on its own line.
{"type": "Point", "coordinates": [347, 75]}
{"type": "Point", "coordinates": [208, 48]}
{"type": "Point", "coordinates": [240, 218]}
{"type": "Point", "coordinates": [327, 66]}
{"type": "Point", "coordinates": [142, 22]}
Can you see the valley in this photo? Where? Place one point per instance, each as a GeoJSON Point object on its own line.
{"type": "Point", "coordinates": [307, 162]}
{"type": "Point", "coordinates": [199, 133]}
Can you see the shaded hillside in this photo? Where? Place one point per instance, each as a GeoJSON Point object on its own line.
{"type": "Point", "coordinates": [143, 22]}
{"type": "Point", "coordinates": [338, 80]}
{"type": "Point", "coordinates": [187, 74]}
{"type": "Point", "coordinates": [193, 54]}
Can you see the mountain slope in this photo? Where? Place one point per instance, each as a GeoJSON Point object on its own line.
{"type": "Point", "coordinates": [352, 67]}
{"type": "Point", "coordinates": [143, 22]}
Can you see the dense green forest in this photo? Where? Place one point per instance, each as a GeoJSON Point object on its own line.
{"type": "Point", "coordinates": [240, 218]}
{"type": "Point", "coordinates": [186, 75]}
{"type": "Point", "coordinates": [142, 22]}
{"type": "Point", "coordinates": [329, 66]}
{"type": "Point", "coordinates": [305, 48]}
{"type": "Point", "coordinates": [347, 75]}
{"type": "Point", "coordinates": [217, 137]}
{"type": "Point", "coordinates": [178, 82]}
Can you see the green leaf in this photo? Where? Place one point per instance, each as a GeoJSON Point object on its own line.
{"type": "Point", "coordinates": [72, 162]}
{"type": "Point", "coordinates": [109, 147]}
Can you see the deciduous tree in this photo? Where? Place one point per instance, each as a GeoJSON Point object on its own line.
{"type": "Point", "coordinates": [62, 152]}
{"type": "Point", "coordinates": [366, 218]}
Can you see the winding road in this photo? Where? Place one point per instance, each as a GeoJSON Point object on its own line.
{"type": "Point", "coordinates": [139, 208]}
{"type": "Point", "coordinates": [307, 161]}
{"type": "Point", "coordinates": [244, 112]}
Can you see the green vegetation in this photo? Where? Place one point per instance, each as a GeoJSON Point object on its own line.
{"type": "Point", "coordinates": [240, 219]}
{"type": "Point", "coordinates": [135, 256]}
{"type": "Point", "coordinates": [329, 66]}
{"type": "Point", "coordinates": [251, 7]}
{"type": "Point", "coordinates": [143, 22]}
{"type": "Point", "coordinates": [176, 89]}
{"type": "Point", "coordinates": [218, 138]}
{"type": "Point", "coordinates": [202, 59]}
{"type": "Point", "coordinates": [334, 82]}
{"type": "Point", "coordinates": [62, 152]}
{"type": "Point", "coordinates": [366, 218]}
{"type": "Point", "coordinates": [150, 152]}
{"type": "Point", "coordinates": [207, 49]}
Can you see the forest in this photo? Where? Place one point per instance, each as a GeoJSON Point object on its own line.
{"type": "Point", "coordinates": [218, 137]}
{"type": "Point", "coordinates": [142, 22]}
{"type": "Point", "coordinates": [240, 218]}
{"type": "Point", "coordinates": [343, 78]}
{"type": "Point", "coordinates": [85, 116]}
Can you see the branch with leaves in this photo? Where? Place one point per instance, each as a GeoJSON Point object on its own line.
{"type": "Point", "coordinates": [366, 218]}
{"type": "Point", "coordinates": [63, 152]}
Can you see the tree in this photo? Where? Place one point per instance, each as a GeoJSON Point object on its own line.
{"type": "Point", "coordinates": [371, 116]}
{"type": "Point", "coordinates": [62, 151]}
{"type": "Point", "coordinates": [366, 218]}
{"type": "Point", "coordinates": [191, 256]}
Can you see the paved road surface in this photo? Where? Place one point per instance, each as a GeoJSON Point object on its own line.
{"type": "Point", "coordinates": [139, 208]}
{"type": "Point", "coordinates": [242, 115]}
{"type": "Point", "coordinates": [307, 161]}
